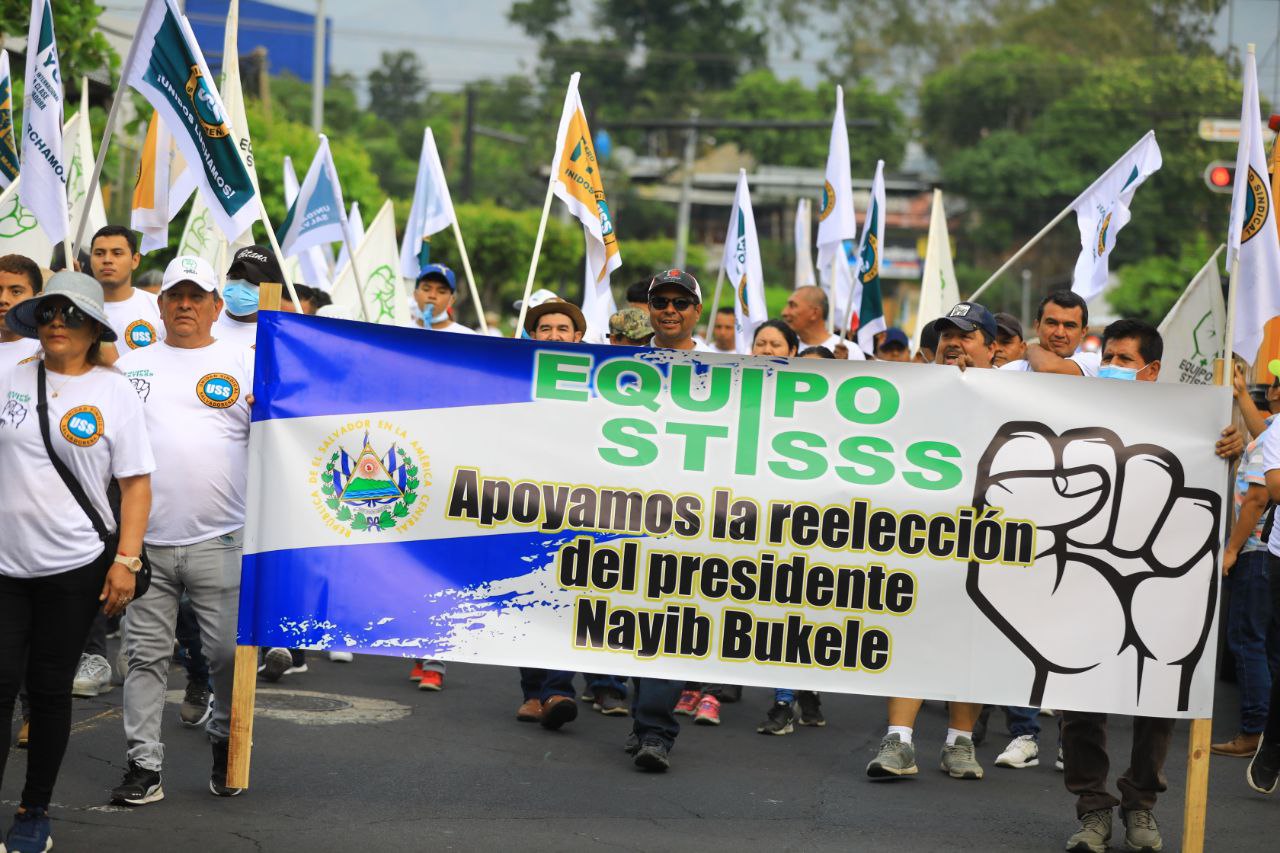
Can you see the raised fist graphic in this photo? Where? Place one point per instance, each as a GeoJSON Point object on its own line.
{"type": "Point", "coordinates": [1125, 576]}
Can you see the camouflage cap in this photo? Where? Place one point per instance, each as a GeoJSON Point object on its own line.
{"type": "Point", "coordinates": [632, 323]}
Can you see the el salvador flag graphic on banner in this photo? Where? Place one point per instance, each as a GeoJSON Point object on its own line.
{"type": "Point", "coordinates": [315, 217]}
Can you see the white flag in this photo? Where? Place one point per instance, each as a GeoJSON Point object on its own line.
{"type": "Point", "coordinates": [377, 257]}
{"type": "Point", "coordinates": [202, 237]}
{"type": "Point", "coordinates": [44, 192]}
{"type": "Point", "coordinates": [576, 180]}
{"type": "Point", "coordinates": [432, 209]}
{"type": "Point", "coordinates": [233, 101]}
{"type": "Point", "coordinates": [20, 234]}
{"type": "Point", "coordinates": [804, 254]}
{"type": "Point", "coordinates": [742, 267]}
{"type": "Point", "coordinates": [316, 264]}
{"type": "Point", "coordinates": [1194, 329]}
{"type": "Point", "coordinates": [938, 288]}
{"type": "Point", "coordinates": [1103, 209]}
{"type": "Point", "coordinates": [317, 215]}
{"type": "Point", "coordinates": [1252, 240]}
{"type": "Point", "coordinates": [77, 143]}
{"type": "Point", "coordinates": [357, 233]}
{"type": "Point", "coordinates": [836, 222]}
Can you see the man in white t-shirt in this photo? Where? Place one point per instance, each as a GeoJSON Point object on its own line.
{"type": "Point", "coordinates": [194, 392]}
{"type": "Point", "coordinates": [20, 280]}
{"type": "Point", "coordinates": [113, 256]}
{"type": "Point", "coordinates": [1062, 319]}
{"type": "Point", "coordinates": [806, 313]}
{"type": "Point", "coordinates": [723, 334]}
{"type": "Point", "coordinates": [238, 322]}
{"type": "Point", "coordinates": [433, 295]}
{"type": "Point", "coordinates": [675, 305]}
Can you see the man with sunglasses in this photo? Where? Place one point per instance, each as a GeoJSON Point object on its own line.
{"type": "Point", "coordinates": [675, 306]}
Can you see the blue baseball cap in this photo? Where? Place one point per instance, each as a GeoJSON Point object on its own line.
{"type": "Point", "coordinates": [439, 272]}
{"type": "Point", "coordinates": [894, 335]}
{"type": "Point", "coordinates": [967, 316]}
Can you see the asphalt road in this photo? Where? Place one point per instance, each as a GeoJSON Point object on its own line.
{"type": "Point", "coordinates": [380, 765]}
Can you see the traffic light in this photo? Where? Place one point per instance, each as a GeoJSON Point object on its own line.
{"type": "Point", "coordinates": [1220, 176]}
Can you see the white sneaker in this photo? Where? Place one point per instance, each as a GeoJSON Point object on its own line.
{"type": "Point", "coordinates": [341, 657]}
{"type": "Point", "coordinates": [93, 676]}
{"type": "Point", "coordinates": [1057, 763]}
{"type": "Point", "coordinates": [1022, 751]}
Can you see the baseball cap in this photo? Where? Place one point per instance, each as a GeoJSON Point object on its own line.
{"type": "Point", "coordinates": [678, 278]}
{"type": "Point", "coordinates": [536, 298]}
{"type": "Point", "coordinates": [929, 335]}
{"type": "Point", "coordinates": [1008, 324]}
{"type": "Point", "coordinates": [189, 268]}
{"type": "Point", "coordinates": [968, 316]}
{"type": "Point", "coordinates": [894, 335]}
{"type": "Point", "coordinates": [255, 264]}
{"type": "Point", "coordinates": [631, 323]}
{"type": "Point", "coordinates": [439, 272]}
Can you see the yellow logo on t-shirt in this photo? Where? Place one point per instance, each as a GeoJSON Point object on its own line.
{"type": "Point", "coordinates": [140, 334]}
{"type": "Point", "coordinates": [218, 390]}
{"type": "Point", "coordinates": [82, 426]}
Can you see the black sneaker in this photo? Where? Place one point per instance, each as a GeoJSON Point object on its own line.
{"type": "Point", "coordinates": [810, 708]}
{"type": "Point", "coordinates": [138, 787]}
{"type": "Point", "coordinates": [218, 777]}
{"type": "Point", "coordinates": [632, 744]}
{"type": "Point", "coordinates": [652, 755]}
{"type": "Point", "coordinates": [196, 705]}
{"type": "Point", "coordinates": [609, 702]}
{"type": "Point", "coordinates": [780, 721]}
{"type": "Point", "coordinates": [276, 663]}
{"type": "Point", "coordinates": [1264, 767]}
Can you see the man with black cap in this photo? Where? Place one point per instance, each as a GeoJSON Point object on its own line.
{"type": "Point", "coordinates": [433, 294]}
{"type": "Point", "coordinates": [238, 322]}
{"type": "Point", "coordinates": [893, 345]}
{"type": "Point", "coordinates": [966, 336]}
{"type": "Point", "coordinates": [675, 305]}
{"type": "Point", "coordinates": [555, 320]}
{"type": "Point", "coordinates": [1010, 345]}
{"type": "Point", "coordinates": [195, 535]}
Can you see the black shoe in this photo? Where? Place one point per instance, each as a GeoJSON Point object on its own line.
{"type": "Point", "coordinates": [1264, 767]}
{"type": "Point", "coordinates": [652, 756]}
{"type": "Point", "coordinates": [138, 787]}
{"type": "Point", "coordinates": [810, 708]}
{"type": "Point", "coordinates": [781, 720]}
{"type": "Point", "coordinates": [276, 663]}
{"type": "Point", "coordinates": [632, 744]}
{"type": "Point", "coordinates": [980, 726]}
{"type": "Point", "coordinates": [196, 708]}
{"type": "Point", "coordinates": [218, 777]}
{"type": "Point", "coordinates": [609, 702]}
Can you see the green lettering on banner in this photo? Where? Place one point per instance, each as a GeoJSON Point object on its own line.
{"type": "Point", "coordinates": [552, 368]}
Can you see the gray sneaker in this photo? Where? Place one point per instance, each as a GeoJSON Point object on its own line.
{"type": "Point", "coordinates": [895, 759]}
{"type": "Point", "coordinates": [93, 676]}
{"type": "Point", "coordinates": [1094, 833]}
{"type": "Point", "coordinates": [959, 761]}
{"type": "Point", "coordinates": [1141, 835]}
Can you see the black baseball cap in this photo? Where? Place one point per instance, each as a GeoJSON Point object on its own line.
{"type": "Point", "coordinates": [967, 316]}
{"type": "Point", "coordinates": [255, 264]}
{"type": "Point", "coordinates": [929, 336]}
{"type": "Point", "coordinates": [676, 278]}
{"type": "Point", "coordinates": [1009, 324]}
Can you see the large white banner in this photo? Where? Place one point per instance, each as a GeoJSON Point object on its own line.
{"type": "Point", "coordinates": [879, 528]}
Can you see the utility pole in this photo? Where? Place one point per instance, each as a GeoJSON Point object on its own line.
{"type": "Point", "coordinates": [1026, 298]}
{"type": "Point", "coordinates": [686, 193]}
{"type": "Point", "coordinates": [317, 71]}
{"type": "Point", "coordinates": [469, 145]}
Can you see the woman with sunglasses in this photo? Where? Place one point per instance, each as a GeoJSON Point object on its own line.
{"type": "Point", "coordinates": [55, 571]}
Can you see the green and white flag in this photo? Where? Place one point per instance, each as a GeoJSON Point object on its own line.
{"type": "Point", "coordinates": [166, 66]}
{"type": "Point", "coordinates": [233, 100]}
{"type": "Point", "coordinates": [77, 143]}
{"type": "Point", "coordinates": [378, 260]}
{"type": "Point", "coordinates": [8, 147]}
{"type": "Point", "coordinates": [202, 237]}
{"type": "Point", "coordinates": [867, 316]}
{"type": "Point", "coordinates": [743, 268]}
{"type": "Point", "coordinates": [836, 222]}
{"type": "Point", "coordinates": [1194, 329]}
{"type": "Point", "coordinates": [938, 287]}
{"type": "Point", "coordinates": [20, 233]}
{"type": "Point", "coordinates": [44, 192]}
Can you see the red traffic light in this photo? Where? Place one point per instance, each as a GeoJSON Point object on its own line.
{"type": "Point", "coordinates": [1220, 176]}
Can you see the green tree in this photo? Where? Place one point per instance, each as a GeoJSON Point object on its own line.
{"type": "Point", "coordinates": [82, 48]}
{"type": "Point", "coordinates": [1149, 287]}
{"type": "Point", "coordinates": [396, 87]}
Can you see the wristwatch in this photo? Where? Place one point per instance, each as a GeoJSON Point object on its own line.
{"type": "Point", "coordinates": [133, 564]}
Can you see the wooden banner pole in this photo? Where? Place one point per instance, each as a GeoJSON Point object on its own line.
{"type": "Point", "coordinates": [244, 691]}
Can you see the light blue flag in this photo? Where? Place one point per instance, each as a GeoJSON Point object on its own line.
{"type": "Point", "coordinates": [317, 215]}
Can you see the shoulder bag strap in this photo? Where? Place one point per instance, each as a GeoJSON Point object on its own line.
{"type": "Point", "coordinates": [68, 479]}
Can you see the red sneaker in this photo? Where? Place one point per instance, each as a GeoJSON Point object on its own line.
{"type": "Point", "coordinates": [708, 712]}
{"type": "Point", "coordinates": [688, 703]}
{"type": "Point", "coordinates": [417, 672]}
{"type": "Point", "coordinates": [431, 681]}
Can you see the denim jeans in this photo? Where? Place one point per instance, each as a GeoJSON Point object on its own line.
{"type": "Point", "coordinates": [1022, 721]}
{"type": "Point", "coordinates": [188, 636]}
{"type": "Point", "coordinates": [652, 707]}
{"type": "Point", "coordinates": [1249, 622]}
{"type": "Point", "coordinates": [542, 684]}
{"type": "Point", "coordinates": [784, 694]}
{"type": "Point", "coordinates": [603, 682]}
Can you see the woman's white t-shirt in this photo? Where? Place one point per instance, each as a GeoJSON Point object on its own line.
{"type": "Point", "coordinates": [98, 428]}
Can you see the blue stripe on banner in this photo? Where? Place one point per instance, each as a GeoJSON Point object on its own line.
{"type": "Point", "coordinates": [393, 598]}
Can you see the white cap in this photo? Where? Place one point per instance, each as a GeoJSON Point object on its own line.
{"type": "Point", "coordinates": [189, 268]}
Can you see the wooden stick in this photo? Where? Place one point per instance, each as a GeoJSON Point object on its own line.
{"type": "Point", "coordinates": [715, 302]}
{"type": "Point", "coordinates": [471, 279]}
{"type": "Point", "coordinates": [244, 690]}
{"type": "Point", "coordinates": [1018, 254]}
{"type": "Point", "coordinates": [533, 264]}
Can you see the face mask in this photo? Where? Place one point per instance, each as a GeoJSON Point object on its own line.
{"type": "Point", "coordinates": [428, 315]}
{"type": "Point", "coordinates": [1114, 371]}
{"type": "Point", "coordinates": [241, 297]}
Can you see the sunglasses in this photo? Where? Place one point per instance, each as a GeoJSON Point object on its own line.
{"type": "Point", "coordinates": [72, 317]}
{"type": "Point", "coordinates": [680, 303]}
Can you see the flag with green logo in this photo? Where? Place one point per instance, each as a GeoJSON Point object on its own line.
{"type": "Point", "coordinates": [166, 66]}
{"type": "Point", "coordinates": [44, 190]}
{"type": "Point", "coordinates": [377, 259]}
{"type": "Point", "coordinates": [938, 287]}
{"type": "Point", "coordinates": [743, 268]}
{"type": "Point", "coordinates": [867, 316]}
{"type": "Point", "coordinates": [8, 148]}
{"type": "Point", "coordinates": [1194, 329]}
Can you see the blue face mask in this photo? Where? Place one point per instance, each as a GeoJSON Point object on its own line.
{"type": "Point", "coordinates": [428, 315]}
{"type": "Point", "coordinates": [241, 297]}
{"type": "Point", "coordinates": [1115, 371]}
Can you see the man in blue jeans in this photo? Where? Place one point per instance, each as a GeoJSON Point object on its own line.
{"type": "Point", "coordinates": [1251, 630]}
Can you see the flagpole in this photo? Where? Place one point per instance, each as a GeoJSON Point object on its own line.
{"type": "Point", "coordinates": [348, 239]}
{"type": "Point", "coordinates": [1018, 254]}
{"type": "Point", "coordinates": [831, 313]}
{"type": "Point", "coordinates": [471, 280]}
{"type": "Point", "coordinates": [537, 250]}
{"type": "Point", "coordinates": [715, 300]}
{"type": "Point", "coordinates": [275, 247]}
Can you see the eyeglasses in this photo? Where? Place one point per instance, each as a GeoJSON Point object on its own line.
{"type": "Point", "coordinates": [72, 316]}
{"type": "Point", "coordinates": [661, 303]}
